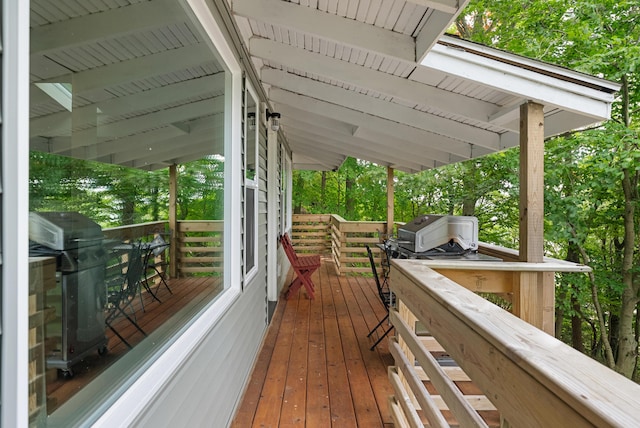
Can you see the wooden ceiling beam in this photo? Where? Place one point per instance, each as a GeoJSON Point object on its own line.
{"type": "Point", "coordinates": [377, 81]}
{"type": "Point", "coordinates": [394, 146]}
{"type": "Point", "coordinates": [307, 20]}
{"type": "Point", "coordinates": [60, 123]}
{"type": "Point", "coordinates": [381, 108]}
{"type": "Point", "coordinates": [355, 147]}
{"type": "Point", "coordinates": [376, 124]}
{"type": "Point", "coordinates": [136, 69]}
{"type": "Point", "coordinates": [104, 25]}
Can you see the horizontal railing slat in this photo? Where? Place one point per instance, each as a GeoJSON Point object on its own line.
{"type": "Point", "coordinates": [532, 378]}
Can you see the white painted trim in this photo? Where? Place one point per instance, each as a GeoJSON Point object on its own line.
{"type": "Point", "coordinates": [233, 181]}
{"type": "Point", "coordinates": [272, 214]}
{"type": "Point", "coordinates": [519, 81]}
{"type": "Point", "coordinates": [254, 183]}
{"type": "Point", "coordinates": [496, 54]}
{"type": "Point", "coordinates": [149, 385]}
{"type": "Point", "coordinates": [15, 210]}
{"type": "Point", "coordinates": [289, 196]}
{"type": "Point", "coordinates": [203, 13]}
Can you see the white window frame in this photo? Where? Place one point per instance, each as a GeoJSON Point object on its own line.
{"type": "Point", "coordinates": [145, 386]}
{"type": "Point", "coordinates": [150, 383]}
{"type": "Point", "coordinates": [252, 184]}
{"type": "Point", "coordinates": [285, 191]}
{"type": "Point", "coordinates": [14, 378]}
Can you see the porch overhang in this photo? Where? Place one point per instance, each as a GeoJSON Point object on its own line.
{"type": "Point", "coordinates": [359, 82]}
{"type": "Point", "coordinates": [369, 80]}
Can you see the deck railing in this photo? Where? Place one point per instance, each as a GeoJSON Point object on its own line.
{"type": "Point", "coordinates": [531, 378]}
{"type": "Point", "coordinates": [344, 240]}
{"type": "Point", "coordinates": [311, 233]}
{"type": "Point", "coordinates": [526, 375]}
{"type": "Point", "coordinates": [198, 243]}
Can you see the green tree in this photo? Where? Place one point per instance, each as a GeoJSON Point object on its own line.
{"type": "Point", "coordinates": [600, 38]}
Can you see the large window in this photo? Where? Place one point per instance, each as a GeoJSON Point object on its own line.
{"type": "Point", "coordinates": [127, 111]}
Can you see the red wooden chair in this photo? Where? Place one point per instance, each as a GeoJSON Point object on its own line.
{"type": "Point", "coordinates": [303, 266]}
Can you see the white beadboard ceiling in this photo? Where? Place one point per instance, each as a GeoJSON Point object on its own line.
{"type": "Point", "coordinates": [372, 79]}
{"type": "Point", "coordinates": [377, 80]}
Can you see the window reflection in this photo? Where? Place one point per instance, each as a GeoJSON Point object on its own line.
{"type": "Point", "coordinates": [251, 182]}
{"type": "Point", "coordinates": [118, 122]}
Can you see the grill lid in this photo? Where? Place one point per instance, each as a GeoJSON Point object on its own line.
{"type": "Point", "coordinates": [63, 230]}
{"type": "Point", "coordinates": [427, 232]}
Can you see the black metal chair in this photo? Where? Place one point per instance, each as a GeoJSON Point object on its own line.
{"type": "Point", "coordinates": [122, 290]}
{"type": "Point", "coordinates": [386, 297]}
{"type": "Point", "coordinates": [156, 248]}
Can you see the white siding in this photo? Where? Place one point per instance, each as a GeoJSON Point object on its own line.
{"type": "Point", "coordinates": [209, 385]}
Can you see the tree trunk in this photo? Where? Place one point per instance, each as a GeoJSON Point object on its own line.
{"type": "Point", "coordinates": [614, 333]}
{"type": "Point", "coordinates": [573, 255]}
{"type": "Point", "coordinates": [349, 198]}
{"type": "Point", "coordinates": [608, 353]}
{"type": "Point", "coordinates": [576, 325]}
{"type": "Point", "coordinates": [323, 191]}
{"type": "Point", "coordinates": [128, 209]}
{"type": "Point", "coordinates": [469, 206]}
{"type": "Point", "coordinates": [628, 345]}
{"type": "Point", "coordinates": [300, 189]}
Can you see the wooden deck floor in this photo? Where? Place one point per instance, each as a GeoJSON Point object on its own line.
{"type": "Point", "coordinates": [315, 368]}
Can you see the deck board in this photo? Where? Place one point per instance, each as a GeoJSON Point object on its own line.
{"type": "Point", "coordinates": [326, 353]}
{"type": "Point", "coordinates": [318, 404]}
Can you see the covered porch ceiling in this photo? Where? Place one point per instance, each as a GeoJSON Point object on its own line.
{"type": "Point", "coordinates": [377, 80]}
{"type": "Point", "coordinates": [121, 82]}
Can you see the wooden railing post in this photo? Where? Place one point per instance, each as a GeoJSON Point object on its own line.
{"type": "Point", "coordinates": [337, 239]}
{"type": "Point", "coordinates": [390, 201]}
{"type": "Point", "coordinates": [533, 297]}
{"type": "Point", "coordinates": [173, 229]}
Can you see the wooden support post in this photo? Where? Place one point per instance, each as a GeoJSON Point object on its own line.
{"type": "Point", "coordinates": [173, 224]}
{"type": "Point", "coordinates": [533, 293]}
{"type": "Point", "coordinates": [528, 298]}
{"type": "Point", "coordinates": [531, 182]}
{"type": "Point", "coordinates": [390, 200]}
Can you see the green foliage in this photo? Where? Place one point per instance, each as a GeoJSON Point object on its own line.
{"type": "Point", "coordinates": [487, 185]}
{"type": "Point", "coordinates": [584, 201]}
{"type": "Point", "coordinates": [114, 195]}
{"type": "Point", "coordinates": [201, 190]}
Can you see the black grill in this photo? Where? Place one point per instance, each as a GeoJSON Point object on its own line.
{"type": "Point", "coordinates": [76, 242]}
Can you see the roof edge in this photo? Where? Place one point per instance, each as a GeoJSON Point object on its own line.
{"type": "Point", "coordinates": [538, 66]}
